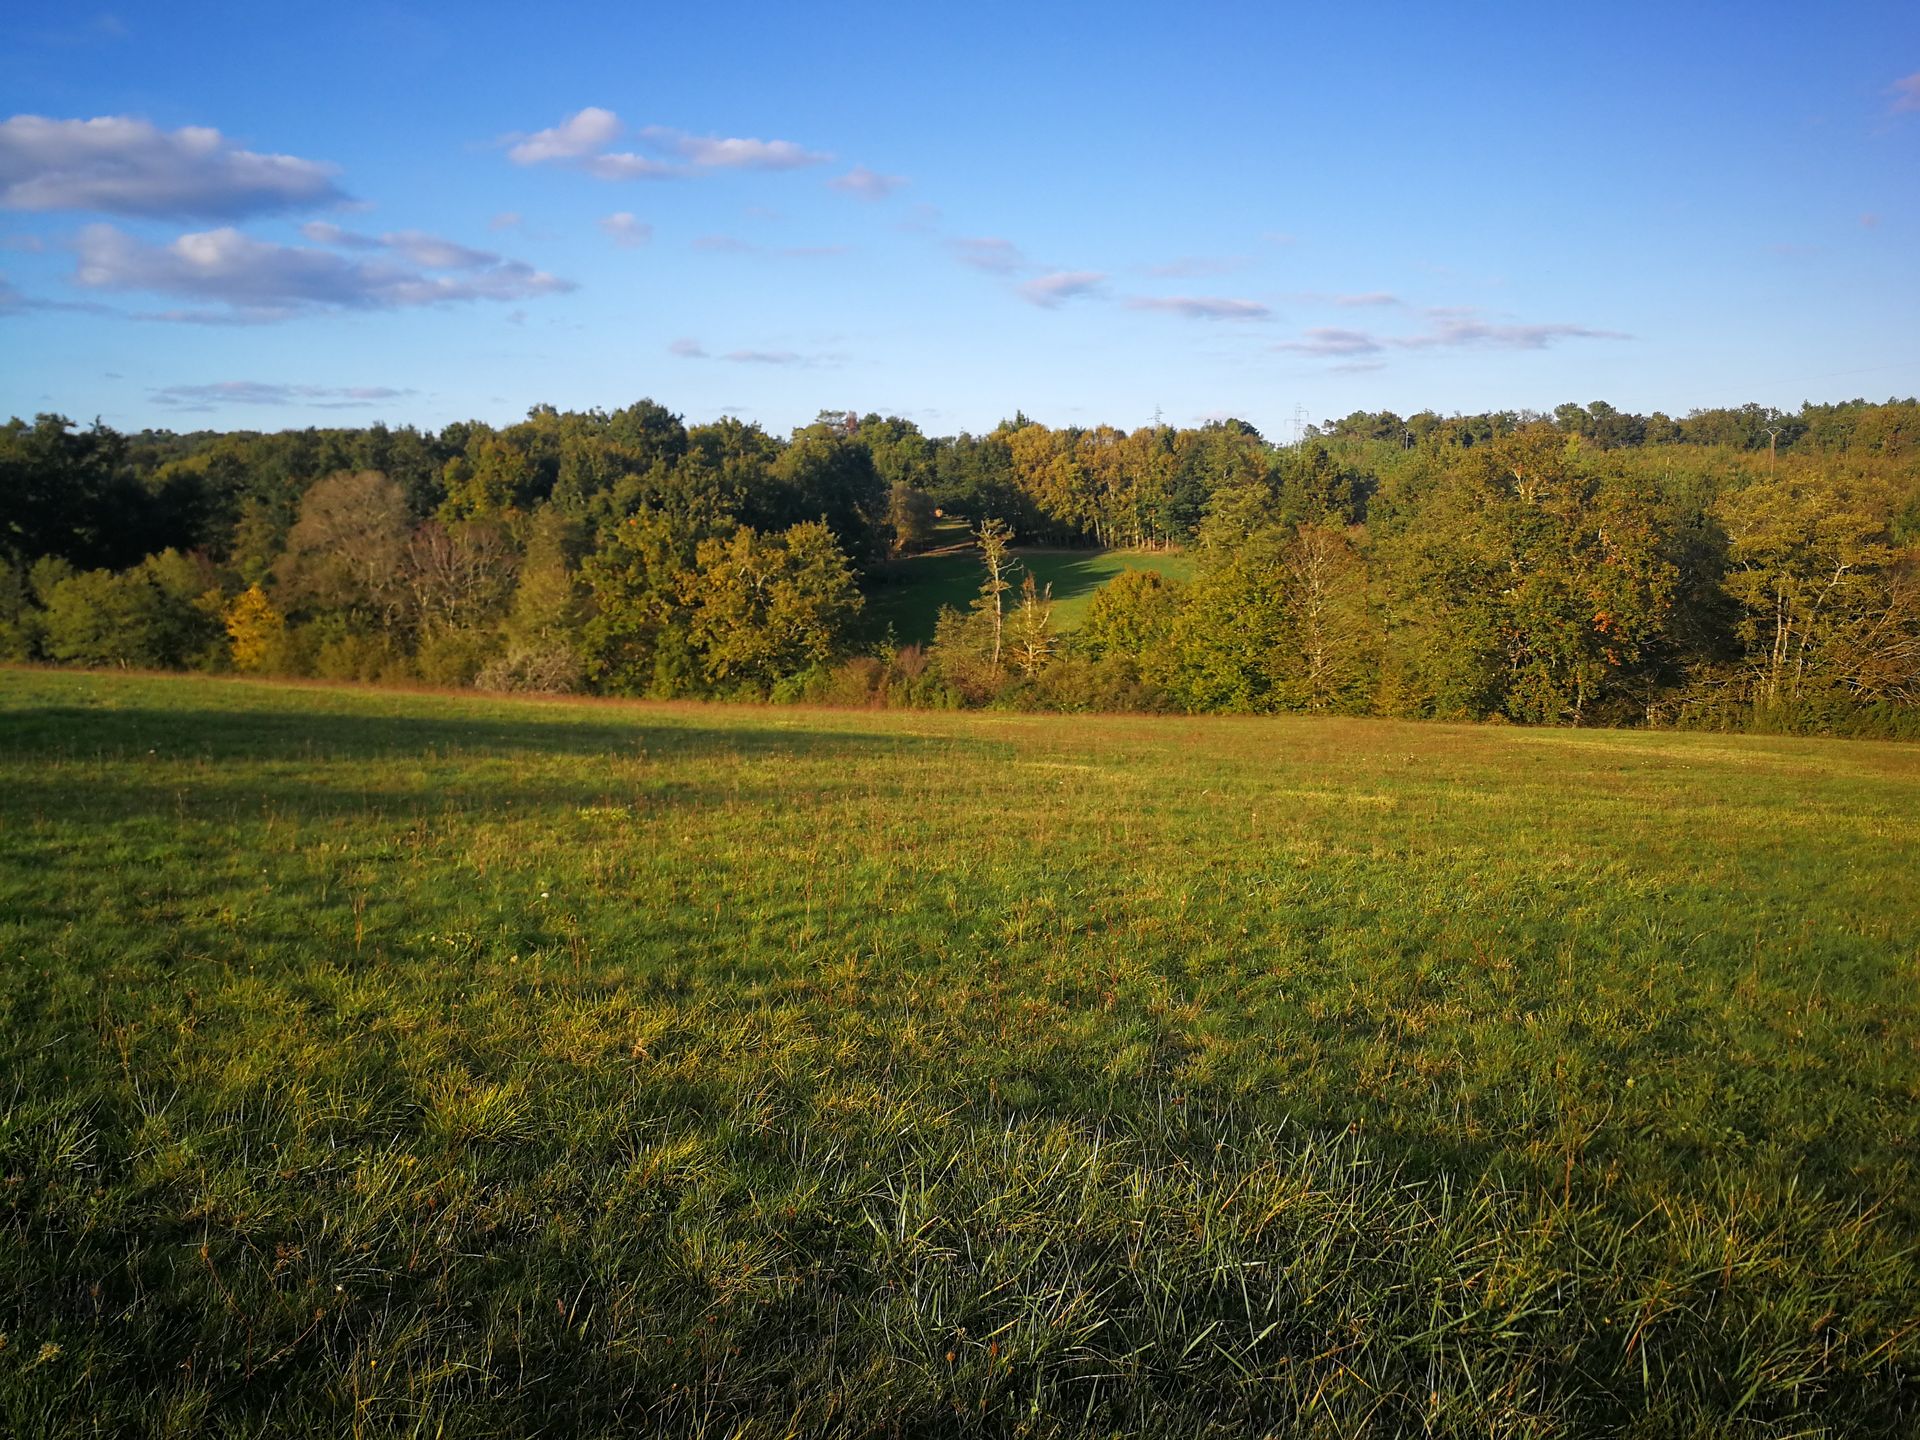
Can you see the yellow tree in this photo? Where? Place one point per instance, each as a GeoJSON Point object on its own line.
{"type": "Point", "coordinates": [255, 629]}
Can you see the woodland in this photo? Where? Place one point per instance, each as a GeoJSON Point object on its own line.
{"type": "Point", "coordinates": [1742, 568]}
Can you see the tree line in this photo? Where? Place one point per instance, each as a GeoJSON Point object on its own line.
{"type": "Point", "coordinates": [1741, 568]}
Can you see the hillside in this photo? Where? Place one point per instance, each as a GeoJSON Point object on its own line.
{"type": "Point", "coordinates": [907, 595]}
{"type": "Point", "coordinates": [383, 1062]}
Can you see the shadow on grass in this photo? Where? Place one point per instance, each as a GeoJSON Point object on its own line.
{"type": "Point", "coordinates": [909, 594]}
{"type": "Point", "coordinates": [82, 732]}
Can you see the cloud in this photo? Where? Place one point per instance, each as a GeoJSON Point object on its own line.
{"type": "Point", "coordinates": [1325, 341]}
{"type": "Point", "coordinates": [712, 152]}
{"type": "Point", "coordinates": [260, 281]}
{"type": "Point", "coordinates": [868, 184]}
{"type": "Point", "coordinates": [691, 349]}
{"type": "Point", "coordinates": [989, 253]}
{"type": "Point", "coordinates": [584, 141]}
{"type": "Point", "coordinates": [625, 165]}
{"type": "Point", "coordinates": [575, 138]}
{"type": "Point", "coordinates": [1906, 93]}
{"type": "Point", "coordinates": [505, 220]}
{"type": "Point", "coordinates": [1050, 291]}
{"type": "Point", "coordinates": [257, 392]}
{"type": "Point", "coordinates": [625, 231]}
{"type": "Point", "coordinates": [1869, 221]}
{"type": "Point", "coordinates": [1369, 297]}
{"type": "Point", "coordinates": [429, 252]}
{"type": "Point", "coordinates": [1201, 307]}
{"type": "Point", "coordinates": [119, 165]}
{"type": "Point", "coordinates": [1189, 267]}
{"type": "Point", "coordinates": [765, 357]}
{"type": "Point", "coordinates": [12, 302]}
{"type": "Point", "coordinates": [1451, 329]}
{"type": "Point", "coordinates": [734, 245]}
{"type": "Point", "coordinates": [1463, 329]}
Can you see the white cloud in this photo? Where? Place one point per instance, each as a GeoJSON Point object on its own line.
{"type": "Point", "coordinates": [1464, 329]}
{"type": "Point", "coordinates": [429, 252]}
{"type": "Point", "coordinates": [505, 220]}
{"type": "Point", "coordinates": [257, 392]}
{"type": "Point", "coordinates": [585, 140]}
{"type": "Point", "coordinates": [688, 348]}
{"type": "Point", "coordinates": [625, 231]}
{"type": "Point", "coordinates": [1324, 341]}
{"type": "Point", "coordinates": [1201, 307]}
{"type": "Point", "coordinates": [624, 165]}
{"type": "Point", "coordinates": [713, 152]}
{"type": "Point", "coordinates": [765, 357]}
{"type": "Point", "coordinates": [734, 245]}
{"type": "Point", "coordinates": [12, 302]}
{"type": "Point", "coordinates": [1050, 291]}
{"type": "Point", "coordinates": [868, 184]}
{"type": "Point", "coordinates": [1450, 329]}
{"type": "Point", "coordinates": [578, 136]}
{"type": "Point", "coordinates": [119, 165]}
{"type": "Point", "coordinates": [1188, 267]}
{"type": "Point", "coordinates": [1906, 93]}
{"type": "Point", "coordinates": [989, 253]}
{"type": "Point", "coordinates": [1370, 297]}
{"type": "Point", "coordinates": [260, 281]}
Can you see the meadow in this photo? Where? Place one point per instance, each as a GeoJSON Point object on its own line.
{"type": "Point", "coordinates": [907, 595]}
{"type": "Point", "coordinates": [402, 1064]}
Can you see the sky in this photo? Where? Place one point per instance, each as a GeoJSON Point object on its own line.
{"type": "Point", "coordinates": [271, 216]}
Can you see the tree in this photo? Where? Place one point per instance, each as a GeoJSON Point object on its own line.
{"type": "Point", "coordinates": [1330, 636]}
{"type": "Point", "coordinates": [909, 517]}
{"type": "Point", "coordinates": [458, 576]}
{"type": "Point", "coordinates": [994, 536]}
{"type": "Point", "coordinates": [635, 639]}
{"type": "Point", "coordinates": [255, 630]}
{"type": "Point", "coordinates": [1827, 607]}
{"type": "Point", "coordinates": [157, 614]}
{"type": "Point", "coordinates": [1131, 618]}
{"type": "Point", "coordinates": [1031, 640]}
{"type": "Point", "coordinates": [347, 549]}
{"type": "Point", "coordinates": [767, 606]}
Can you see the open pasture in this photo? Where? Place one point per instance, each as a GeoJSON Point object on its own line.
{"type": "Point", "coordinates": [384, 1064]}
{"type": "Point", "coordinates": [908, 594]}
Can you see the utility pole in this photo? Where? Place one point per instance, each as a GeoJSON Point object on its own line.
{"type": "Point", "coordinates": [1773, 439]}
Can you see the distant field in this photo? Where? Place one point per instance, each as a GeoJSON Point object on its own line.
{"type": "Point", "coordinates": [383, 1063]}
{"type": "Point", "coordinates": [909, 593]}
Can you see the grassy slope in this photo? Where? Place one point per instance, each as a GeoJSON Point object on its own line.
{"type": "Point", "coordinates": [381, 1061]}
{"type": "Point", "coordinates": [908, 594]}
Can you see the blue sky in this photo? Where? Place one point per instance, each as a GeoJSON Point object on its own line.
{"type": "Point", "coordinates": [292, 214]}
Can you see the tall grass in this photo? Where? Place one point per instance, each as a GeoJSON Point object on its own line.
{"type": "Point", "coordinates": [383, 1065]}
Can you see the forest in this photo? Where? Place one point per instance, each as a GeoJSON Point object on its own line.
{"type": "Point", "coordinates": [1740, 568]}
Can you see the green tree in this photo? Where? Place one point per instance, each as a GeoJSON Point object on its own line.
{"type": "Point", "coordinates": [636, 637]}
{"type": "Point", "coordinates": [767, 606]}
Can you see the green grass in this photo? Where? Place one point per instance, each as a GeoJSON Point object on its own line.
{"type": "Point", "coordinates": [387, 1064]}
{"type": "Point", "coordinates": [908, 594]}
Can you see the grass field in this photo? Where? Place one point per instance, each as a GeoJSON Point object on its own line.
{"type": "Point", "coordinates": [908, 593]}
{"type": "Point", "coordinates": [385, 1064]}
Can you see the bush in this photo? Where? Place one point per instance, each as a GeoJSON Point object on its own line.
{"type": "Point", "coordinates": [454, 658]}
{"type": "Point", "coordinates": [553, 670]}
